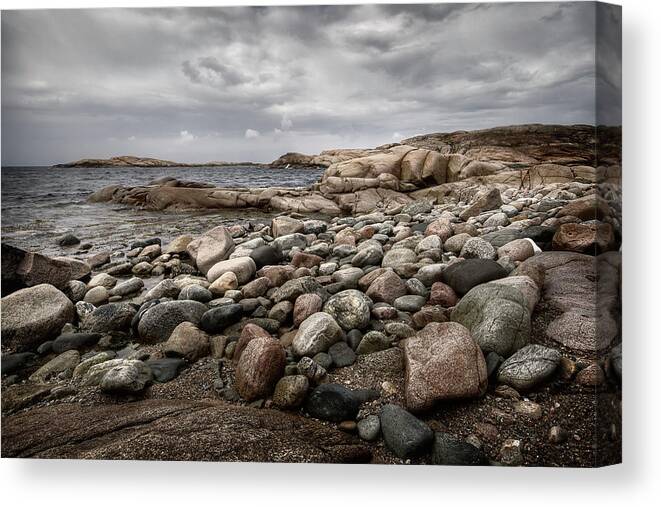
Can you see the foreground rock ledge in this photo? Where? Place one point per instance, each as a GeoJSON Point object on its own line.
{"type": "Point", "coordinates": [175, 430]}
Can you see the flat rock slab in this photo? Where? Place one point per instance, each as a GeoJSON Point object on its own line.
{"type": "Point", "coordinates": [175, 430]}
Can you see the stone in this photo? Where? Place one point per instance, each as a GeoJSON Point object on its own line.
{"type": "Point", "coordinates": [61, 366]}
{"type": "Point", "coordinates": [374, 341]}
{"type": "Point", "coordinates": [369, 256]}
{"type": "Point", "coordinates": [290, 391]}
{"type": "Point", "coordinates": [497, 317]}
{"type": "Point", "coordinates": [323, 359]}
{"type": "Point", "coordinates": [226, 281]}
{"type": "Point", "coordinates": [102, 280]}
{"type": "Point", "coordinates": [195, 293]}
{"type": "Point", "coordinates": [284, 225]}
{"type": "Point", "coordinates": [341, 354]}
{"type": "Point", "coordinates": [287, 242]}
{"type": "Point", "coordinates": [386, 288]}
{"type": "Point", "coordinates": [332, 402]}
{"type": "Point", "coordinates": [130, 286]}
{"type": "Point", "coordinates": [398, 256]}
{"type": "Point", "coordinates": [211, 248]}
{"type": "Point", "coordinates": [310, 369]}
{"type": "Point", "coordinates": [528, 409]}
{"type": "Point", "coordinates": [305, 260]}
{"type": "Point", "coordinates": [442, 362]}
{"type": "Point", "coordinates": [306, 305]}
{"type": "Point", "coordinates": [464, 275]}
{"type": "Point", "coordinates": [591, 376]}
{"type": "Point", "coordinates": [96, 295]}
{"type": "Point", "coordinates": [452, 451]}
{"type": "Point", "coordinates": [409, 303]}
{"type": "Point", "coordinates": [405, 435]}
{"type": "Point", "coordinates": [261, 365]}
{"type": "Point", "coordinates": [455, 243]}
{"type": "Point", "coordinates": [131, 376]}
{"type": "Point", "coordinates": [589, 238]}
{"type": "Point", "coordinates": [68, 240]}
{"type": "Point", "coordinates": [142, 268]}
{"type": "Point", "coordinates": [33, 315]}
{"type": "Point", "coordinates": [518, 250]}
{"type": "Point", "coordinates": [443, 295]}
{"type": "Point", "coordinates": [178, 245]}
{"type": "Point", "coordinates": [74, 341]}
{"type": "Point", "coordinates": [243, 267]}
{"type": "Point", "coordinates": [524, 284]}
{"type": "Point", "coordinates": [164, 289]}
{"type": "Point", "coordinates": [214, 321]}
{"type": "Point", "coordinates": [485, 201]}
{"type": "Point", "coordinates": [258, 287]}
{"type": "Point", "coordinates": [266, 255]}
{"type": "Point", "coordinates": [529, 367]}
{"type": "Point", "coordinates": [248, 333]}
{"type": "Point", "coordinates": [316, 334]}
{"type": "Point", "coordinates": [158, 322]}
{"type": "Point", "coordinates": [590, 207]}
{"type": "Point", "coordinates": [350, 309]}
{"type": "Point", "coordinates": [477, 248]}
{"type": "Point", "coordinates": [13, 363]}
{"type": "Point", "coordinates": [282, 310]}
{"type": "Point", "coordinates": [187, 341]}
{"type": "Point", "coordinates": [497, 220]}
{"type": "Point", "coordinates": [75, 290]}
{"type": "Point", "coordinates": [369, 428]}
{"type": "Point", "coordinates": [558, 435]}
{"type": "Point", "coordinates": [164, 370]}
{"type": "Point", "coordinates": [510, 453]}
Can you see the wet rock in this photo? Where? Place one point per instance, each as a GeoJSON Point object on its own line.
{"type": "Point", "coordinates": [158, 322]}
{"type": "Point", "coordinates": [195, 293]}
{"type": "Point", "coordinates": [68, 240]}
{"type": "Point", "coordinates": [96, 296]}
{"type": "Point", "coordinates": [463, 276]}
{"type": "Point", "coordinates": [529, 367]}
{"type": "Point", "coordinates": [109, 318]}
{"type": "Point", "coordinates": [405, 435]}
{"type": "Point", "coordinates": [332, 402]}
{"type": "Point", "coordinates": [102, 280]}
{"type": "Point", "coordinates": [178, 245]}
{"type": "Point", "coordinates": [497, 317]}
{"type": "Point", "coordinates": [350, 309]}
{"type": "Point", "coordinates": [442, 362]}
{"type": "Point", "coordinates": [126, 288]}
{"type": "Point", "coordinates": [33, 315]}
{"type": "Point", "coordinates": [164, 289]}
{"type": "Point", "coordinates": [75, 290]}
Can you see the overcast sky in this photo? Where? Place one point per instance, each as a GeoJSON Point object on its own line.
{"type": "Point", "coordinates": [252, 83]}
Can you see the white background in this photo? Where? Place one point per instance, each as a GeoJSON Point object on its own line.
{"type": "Point", "coordinates": [636, 482]}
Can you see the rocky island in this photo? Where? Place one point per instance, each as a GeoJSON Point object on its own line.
{"type": "Point", "coordinates": [131, 161]}
{"type": "Point", "coordinates": [454, 300]}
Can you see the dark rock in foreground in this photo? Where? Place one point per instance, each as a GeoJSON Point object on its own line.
{"type": "Point", "coordinates": [176, 430]}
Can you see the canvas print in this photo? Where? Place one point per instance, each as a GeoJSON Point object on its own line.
{"type": "Point", "coordinates": [385, 234]}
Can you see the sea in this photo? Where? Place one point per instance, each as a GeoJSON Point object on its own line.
{"type": "Point", "coordinates": [40, 204]}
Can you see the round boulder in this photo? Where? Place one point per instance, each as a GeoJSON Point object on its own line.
{"type": "Point", "coordinates": [350, 309]}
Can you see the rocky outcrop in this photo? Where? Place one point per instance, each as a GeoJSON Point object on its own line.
{"type": "Point", "coordinates": [131, 161]}
{"type": "Point", "coordinates": [187, 430]}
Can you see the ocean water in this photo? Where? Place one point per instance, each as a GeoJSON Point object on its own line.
{"type": "Point", "coordinates": [39, 204]}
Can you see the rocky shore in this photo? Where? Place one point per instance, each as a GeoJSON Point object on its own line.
{"type": "Point", "coordinates": [131, 161]}
{"type": "Point", "coordinates": [460, 305]}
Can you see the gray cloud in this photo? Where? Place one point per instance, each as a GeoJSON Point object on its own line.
{"type": "Point", "coordinates": [189, 83]}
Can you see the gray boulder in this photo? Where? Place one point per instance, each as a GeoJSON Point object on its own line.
{"type": "Point", "coordinates": [350, 309]}
{"type": "Point", "coordinates": [405, 435]}
{"type": "Point", "coordinates": [316, 334]}
{"type": "Point", "coordinates": [158, 322]}
{"type": "Point", "coordinates": [529, 367]}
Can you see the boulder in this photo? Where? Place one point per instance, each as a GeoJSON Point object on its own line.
{"type": "Point", "coordinates": [187, 341]}
{"type": "Point", "coordinates": [442, 362]}
{"type": "Point", "coordinates": [130, 376]}
{"type": "Point", "coordinates": [21, 269]}
{"type": "Point", "coordinates": [529, 367]}
{"type": "Point", "coordinates": [266, 255]}
{"type": "Point", "coordinates": [210, 248]}
{"type": "Point", "coordinates": [316, 334]}
{"type": "Point", "coordinates": [61, 365]}
{"type": "Point", "coordinates": [214, 321]}
{"type": "Point", "coordinates": [464, 275]}
{"type": "Point", "coordinates": [243, 267]}
{"type": "Point", "coordinates": [517, 250]}
{"type": "Point", "coordinates": [590, 238]}
{"type": "Point", "coordinates": [350, 309]}
{"type": "Point", "coordinates": [260, 366]}
{"type": "Point", "coordinates": [284, 225]}
{"type": "Point", "coordinates": [248, 333]}
{"type": "Point", "coordinates": [405, 435]}
{"type": "Point", "coordinates": [477, 248]}
{"type": "Point", "coordinates": [178, 245]}
{"type": "Point", "coordinates": [386, 288]}
{"type": "Point", "coordinates": [158, 322]}
{"type": "Point", "coordinates": [33, 315]}
{"type": "Point", "coordinates": [332, 402]}
{"type": "Point", "coordinates": [398, 256]}
{"type": "Point", "coordinates": [497, 316]}
{"type": "Point", "coordinates": [452, 451]}
{"type": "Point", "coordinates": [306, 305]}
{"type": "Point", "coordinates": [290, 391]}
{"type": "Point", "coordinates": [484, 201]}
{"type": "Point", "coordinates": [110, 318]}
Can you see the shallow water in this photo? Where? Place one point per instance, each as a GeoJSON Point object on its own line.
{"type": "Point", "coordinates": [39, 204]}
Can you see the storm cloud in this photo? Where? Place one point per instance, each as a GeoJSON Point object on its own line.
{"type": "Point", "coordinates": [240, 83]}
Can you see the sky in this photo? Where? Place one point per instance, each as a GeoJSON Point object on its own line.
{"type": "Point", "coordinates": [249, 84]}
